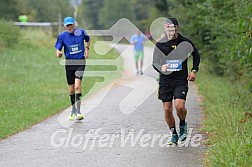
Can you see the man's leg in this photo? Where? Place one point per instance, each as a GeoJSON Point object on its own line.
{"type": "Point", "coordinates": [169, 118]}
{"type": "Point", "coordinates": [77, 86]}
{"type": "Point", "coordinates": [71, 89]}
{"type": "Point", "coordinates": [141, 62]}
{"type": "Point", "coordinates": [137, 66]}
{"type": "Point", "coordinates": [136, 58]}
{"type": "Point", "coordinates": [78, 94]}
{"type": "Point", "coordinates": [70, 80]}
{"type": "Point", "coordinates": [179, 105]}
{"type": "Point", "coordinates": [181, 112]}
{"type": "Point", "coordinates": [72, 97]}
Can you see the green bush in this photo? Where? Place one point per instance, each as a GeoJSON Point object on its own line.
{"type": "Point", "coordinates": [9, 35]}
{"type": "Point", "coordinates": [224, 37]}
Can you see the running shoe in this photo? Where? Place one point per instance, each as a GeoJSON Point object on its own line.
{"type": "Point", "coordinates": [174, 139]}
{"type": "Point", "coordinates": [183, 132]}
{"type": "Point", "coordinates": [80, 117]}
{"type": "Point", "coordinates": [71, 116]}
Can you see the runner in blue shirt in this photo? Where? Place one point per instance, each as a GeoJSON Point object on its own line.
{"type": "Point", "coordinates": [75, 53]}
{"type": "Point", "coordinates": [137, 40]}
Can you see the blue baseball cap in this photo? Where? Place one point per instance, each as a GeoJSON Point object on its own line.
{"type": "Point", "coordinates": [68, 20]}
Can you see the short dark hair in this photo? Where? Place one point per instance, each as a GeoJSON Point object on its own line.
{"type": "Point", "coordinates": [172, 21]}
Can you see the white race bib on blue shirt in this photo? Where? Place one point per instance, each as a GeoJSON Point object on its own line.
{"type": "Point", "coordinates": [73, 49]}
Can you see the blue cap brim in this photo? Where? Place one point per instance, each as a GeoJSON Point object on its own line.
{"type": "Point", "coordinates": [67, 23]}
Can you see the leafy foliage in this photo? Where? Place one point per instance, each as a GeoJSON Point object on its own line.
{"type": "Point", "coordinates": [39, 10]}
{"type": "Point", "coordinates": [112, 11]}
{"type": "Point", "coordinates": [224, 36]}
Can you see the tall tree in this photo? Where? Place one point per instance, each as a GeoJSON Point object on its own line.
{"type": "Point", "coordinates": [48, 10]}
{"type": "Point", "coordinates": [141, 15]}
{"type": "Point", "coordinates": [114, 10]}
{"type": "Point", "coordinates": [162, 6]}
{"type": "Point", "coordinates": [39, 10]}
{"type": "Point", "coordinates": [223, 36]}
{"type": "Point", "coordinates": [9, 10]}
{"type": "Point", "coordinates": [90, 13]}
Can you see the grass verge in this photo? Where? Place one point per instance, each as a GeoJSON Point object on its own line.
{"type": "Point", "coordinates": [228, 109]}
{"type": "Point", "coordinates": [33, 83]}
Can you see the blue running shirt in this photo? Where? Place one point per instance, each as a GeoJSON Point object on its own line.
{"type": "Point", "coordinates": [139, 44]}
{"type": "Point", "coordinates": [73, 43]}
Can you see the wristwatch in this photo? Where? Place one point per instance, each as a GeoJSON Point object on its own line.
{"type": "Point", "coordinates": [194, 71]}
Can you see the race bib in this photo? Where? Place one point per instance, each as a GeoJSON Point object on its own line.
{"type": "Point", "coordinates": [174, 65]}
{"type": "Point", "coordinates": [73, 49]}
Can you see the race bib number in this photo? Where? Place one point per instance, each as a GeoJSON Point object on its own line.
{"type": "Point", "coordinates": [174, 65]}
{"type": "Point", "coordinates": [73, 49]}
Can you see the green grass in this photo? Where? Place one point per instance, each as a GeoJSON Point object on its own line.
{"type": "Point", "coordinates": [225, 105]}
{"type": "Point", "coordinates": [33, 83]}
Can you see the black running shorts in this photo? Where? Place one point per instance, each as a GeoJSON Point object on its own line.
{"type": "Point", "coordinates": [73, 72]}
{"type": "Point", "coordinates": [167, 93]}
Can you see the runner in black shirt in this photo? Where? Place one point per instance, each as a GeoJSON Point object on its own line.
{"type": "Point", "coordinates": [170, 60]}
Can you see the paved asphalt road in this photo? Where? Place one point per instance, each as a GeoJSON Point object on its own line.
{"type": "Point", "coordinates": [123, 126]}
